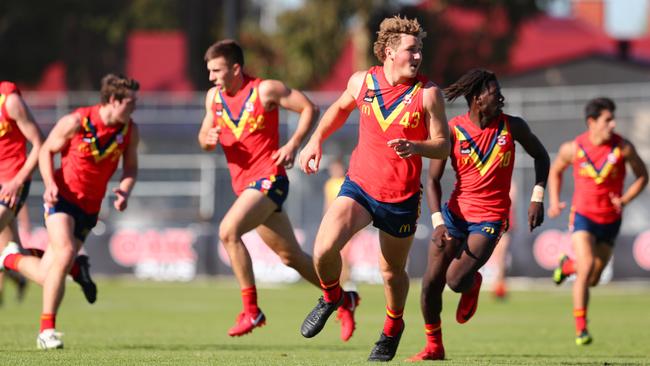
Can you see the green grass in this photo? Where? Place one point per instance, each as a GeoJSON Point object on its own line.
{"type": "Point", "coordinates": [137, 323]}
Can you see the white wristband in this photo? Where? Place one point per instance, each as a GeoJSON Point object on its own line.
{"type": "Point", "coordinates": [538, 194]}
{"type": "Point", "coordinates": [436, 219]}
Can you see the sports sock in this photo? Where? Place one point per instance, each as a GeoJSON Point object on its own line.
{"type": "Point", "coordinates": [434, 334]}
{"type": "Point", "coordinates": [568, 267]}
{"type": "Point", "coordinates": [249, 298]}
{"type": "Point", "coordinates": [11, 261]}
{"type": "Point", "coordinates": [332, 292]}
{"type": "Point", "coordinates": [394, 322]}
{"type": "Point", "coordinates": [48, 321]}
{"type": "Point", "coordinates": [581, 319]}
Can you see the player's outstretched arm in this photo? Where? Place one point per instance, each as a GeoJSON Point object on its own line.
{"type": "Point", "coordinates": [58, 138]}
{"type": "Point", "coordinates": [640, 172]}
{"type": "Point", "coordinates": [277, 93]}
{"type": "Point", "coordinates": [209, 133]}
{"type": "Point", "coordinates": [18, 111]}
{"type": "Point", "coordinates": [333, 118]}
{"type": "Point", "coordinates": [522, 133]}
{"type": "Point", "coordinates": [562, 161]}
{"type": "Point", "coordinates": [129, 170]}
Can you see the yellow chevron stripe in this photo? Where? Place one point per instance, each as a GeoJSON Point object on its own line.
{"type": "Point", "coordinates": [384, 123]}
{"type": "Point", "coordinates": [236, 129]}
{"type": "Point", "coordinates": [591, 171]}
{"type": "Point", "coordinates": [483, 168]}
{"type": "Point", "coordinates": [94, 147]}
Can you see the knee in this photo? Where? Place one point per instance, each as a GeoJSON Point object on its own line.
{"type": "Point", "coordinates": [392, 274]}
{"type": "Point", "coordinates": [288, 259]}
{"type": "Point", "coordinates": [65, 256]}
{"type": "Point", "coordinates": [459, 284]}
{"type": "Point", "coordinates": [227, 233]}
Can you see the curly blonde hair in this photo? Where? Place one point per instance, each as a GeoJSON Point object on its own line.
{"type": "Point", "coordinates": [390, 33]}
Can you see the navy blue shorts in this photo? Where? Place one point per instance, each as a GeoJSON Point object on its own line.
{"type": "Point", "coordinates": [83, 222]}
{"type": "Point", "coordinates": [397, 219]}
{"type": "Point", "coordinates": [461, 229]}
{"type": "Point", "coordinates": [604, 233]}
{"type": "Point", "coordinates": [275, 187]}
{"type": "Point", "coordinates": [23, 192]}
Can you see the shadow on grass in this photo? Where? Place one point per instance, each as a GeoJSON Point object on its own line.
{"type": "Point", "coordinates": [284, 347]}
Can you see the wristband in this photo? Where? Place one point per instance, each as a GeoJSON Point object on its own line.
{"type": "Point", "coordinates": [436, 219]}
{"type": "Point", "coordinates": [538, 194]}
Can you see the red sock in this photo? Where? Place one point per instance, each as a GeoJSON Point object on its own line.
{"type": "Point", "coordinates": [568, 267]}
{"type": "Point", "coordinates": [434, 335]}
{"type": "Point", "coordinates": [74, 271]}
{"type": "Point", "coordinates": [11, 261]}
{"type": "Point", "coordinates": [47, 321]}
{"type": "Point", "coordinates": [332, 292]}
{"type": "Point", "coordinates": [394, 322]}
{"type": "Point", "coordinates": [249, 298]}
{"type": "Point", "coordinates": [581, 319]}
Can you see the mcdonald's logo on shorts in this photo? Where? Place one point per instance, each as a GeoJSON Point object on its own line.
{"type": "Point", "coordinates": [405, 228]}
{"type": "Point", "coordinates": [488, 229]}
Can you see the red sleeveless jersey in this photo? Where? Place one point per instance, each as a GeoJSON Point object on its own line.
{"type": "Point", "coordinates": [90, 158]}
{"type": "Point", "coordinates": [249, 134]}
{"type": "Point", "coordinates": [483, 160]}
{"type": "Point", "coordinates": [386, 113]}
{"type": "Point", "coordinates": [598, 170]}
{"type": "Point", "coordinates": [12, 141]}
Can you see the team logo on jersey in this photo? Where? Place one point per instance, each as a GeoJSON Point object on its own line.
{"type": "Point", "coordinates": [502, 140]}
{"type": "Point", "coordinates": [218, 109]}
{"type": "Point", "coordinates": [408, 98]}
{"type": "Point", "coordinates": [249, 106]}
{"type": "Point", "coordinates": [119, 138]}
{"type": "Point", "coordinates": [611, 157]}
{"type": "Point", "coordinates": [370, 95]}
{"type": "Point", "coordinates": [465, 147]}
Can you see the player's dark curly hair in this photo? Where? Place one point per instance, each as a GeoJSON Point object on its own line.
{"type": "Point", "coordinates": [470, 85]}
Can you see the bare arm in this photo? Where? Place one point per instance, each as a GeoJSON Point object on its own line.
{"type": "Point", "coordinates": [440, 233]}
{"type": "Point", "coordinates": [18, 111]}
{"type": "Point", "coordinates": [437, 146]}
{"type": "Point", "coordinates": [522, 133]}
{"type": "Point", "coordinates": [433, 188]}
{"type": "Point", "coordinates": [639, 169]}
{"type": "Point", "coordinates": [332, 119]}
{"type": "Point", "coordinates": [209, 133]}
{"type": "Point", "coordinates": [58, 138]}
{"type": "Point", "coordinates": [129, 170]}
{"type": "Point", "coordinates": [276, 92]}
{"type": "Point", "coordinates": [562, 161]}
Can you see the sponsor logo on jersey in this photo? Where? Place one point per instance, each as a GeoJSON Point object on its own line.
{"type": "Point", "coordinates": [370, 95]}
{"type": "Point", "coordinates": [465, 147]}
{"type": "Point", "coordinates": [218, 109]}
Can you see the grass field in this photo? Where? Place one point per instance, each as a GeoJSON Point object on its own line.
{"type": "Point", "coordinates": [137, 323]}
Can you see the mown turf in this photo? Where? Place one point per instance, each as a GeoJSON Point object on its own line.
{"type": "Point", "coordinates": [152, 323]}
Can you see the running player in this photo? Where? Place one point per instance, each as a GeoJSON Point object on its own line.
{"type": "Point", "coordinates": [91, 141]}
{"type": "Point", "coordinates": [17, 127]}
{"type": "Point", "coordinates": [598, 157]}
{"type": "Point", "coordinates": [402, 118]}
{"type": "Point", "coordinates": [241, 114]}
{"type": "Point", "coordinates": [467, 228]}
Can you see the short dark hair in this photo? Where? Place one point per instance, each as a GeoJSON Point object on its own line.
{"type": "Point", "coordinates": [228, 49]}
{"type": "Point", "coordinates": [117, 86]}
{"type": "Point", "coordinates": [595, 106]}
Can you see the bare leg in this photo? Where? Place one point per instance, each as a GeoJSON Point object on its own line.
{"type": "Point", "coordinates": [278, 234]}
{"type": "Point", "coordinates": [251, 209]}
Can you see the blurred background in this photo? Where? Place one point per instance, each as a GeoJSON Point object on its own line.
{"type": "Point", "coordinates": [551, 57]}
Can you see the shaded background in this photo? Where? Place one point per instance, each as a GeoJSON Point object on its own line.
{"type": "Point", "coordinates": [551, 57]}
